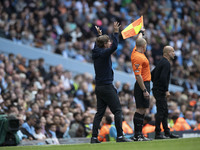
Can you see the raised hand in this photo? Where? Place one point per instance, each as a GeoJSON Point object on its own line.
{"type": "Point", "coordinates": [98, 30]}
{"type": "Point", "coordinates": [116, 27]}
{"type": "Point", "coordinates": [142, 29]}
{"type": "Point", "coordinates": [141, 33]}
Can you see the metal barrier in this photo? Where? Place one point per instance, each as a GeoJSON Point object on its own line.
{"type": "Point", "coordinates": [182, 134]}
{"type": "Point", "coordinates": [55, 141]}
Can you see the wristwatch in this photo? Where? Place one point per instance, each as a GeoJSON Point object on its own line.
{"type": "Point", "coordinates": [144, 90]}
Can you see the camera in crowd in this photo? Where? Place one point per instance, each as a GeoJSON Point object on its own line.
{"type": "Point", "coordinates": [9, 125]}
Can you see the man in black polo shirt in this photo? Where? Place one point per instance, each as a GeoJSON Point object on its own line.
{"type": "Point", "coordinates": [160, 78]}
{"type": "Point", "coordinates": [105, 91]}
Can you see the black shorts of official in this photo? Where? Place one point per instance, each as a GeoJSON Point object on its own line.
{"type": "Point", "coordinates": [140, 101]}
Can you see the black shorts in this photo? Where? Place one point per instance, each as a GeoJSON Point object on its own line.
{"type": "Point", "coordinates": [140, 101]}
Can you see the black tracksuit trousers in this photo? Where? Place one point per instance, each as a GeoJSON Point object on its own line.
{"type": "Point", "coordinates": [162, 112]}
{"type": "Point", "coordinates": [107, 96]}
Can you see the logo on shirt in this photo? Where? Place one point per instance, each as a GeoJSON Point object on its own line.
{"type": "Point", "coordinates": [137, 66]}
{"type": "Point", "coordinates": [137, 71]}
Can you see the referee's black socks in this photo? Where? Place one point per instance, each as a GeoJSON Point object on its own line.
{"type": "Point", "coordinates": [138, 123]}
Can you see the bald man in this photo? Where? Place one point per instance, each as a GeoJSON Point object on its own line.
{"type": "Point", "coordinates": [160, 79]}
{"type": "Point", "coordinates": [142, 73]}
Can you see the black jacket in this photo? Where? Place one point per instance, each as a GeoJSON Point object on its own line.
{"type": "Point", "coordinates": [160, 76]}
{"type": "Point", "coordinates": [103, 63]}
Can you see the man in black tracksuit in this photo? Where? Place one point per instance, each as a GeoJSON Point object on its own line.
{"type": "Point", "coordinates": [160, 79]}
{"type": "Point", "coordinates": [105, 91]}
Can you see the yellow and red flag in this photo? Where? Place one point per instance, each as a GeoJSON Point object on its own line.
{"type": "Point", "coordinates": [133, 29]}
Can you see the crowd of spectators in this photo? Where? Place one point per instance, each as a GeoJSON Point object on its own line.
{"type": "Point", "coordinates": [53, 103]}
{"type": "Point", "coordinates": [66, 27]}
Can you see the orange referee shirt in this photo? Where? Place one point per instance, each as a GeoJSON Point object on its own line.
{"type": "Point", "coordinates": [140, 65]}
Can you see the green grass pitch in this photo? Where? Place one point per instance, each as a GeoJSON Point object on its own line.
{"type": "Point", "coordinates": [171, 144]}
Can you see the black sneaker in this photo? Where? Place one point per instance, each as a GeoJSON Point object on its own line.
{"type": "Point", "coordinates": [123, 139]}
{"type": "Point", "coordinates": [94, 140]}
{"type": "Point", "coordinates": [172, 136]}
{"type": "Point", "coordinates": [160, 136]}
{"type": "Point", "coordinates": [140, 138]}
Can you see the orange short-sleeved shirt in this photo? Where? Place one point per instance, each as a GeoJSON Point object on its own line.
{"type": "Point", "coordinates": [140, 65]}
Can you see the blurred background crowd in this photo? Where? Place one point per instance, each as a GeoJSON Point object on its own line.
{"type": "Point", "coordinates": [66, 27]}
{"type": "Point", "coordinates": [52, 102]}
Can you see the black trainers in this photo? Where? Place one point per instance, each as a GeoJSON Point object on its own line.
{"type": "Point", "coordinates": [94, 140]}
{"type": "Point", "coordinates": [160, 136]}
{"type": "Point", "coordinates": [172, 136]}
{"type": "Point", "coordinates": [123, 139]}
{"type": "Point", "coordinates": [140, 138]}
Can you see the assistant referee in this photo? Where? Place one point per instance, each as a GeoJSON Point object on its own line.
{"type": "Point", "coordinates": [142, 73]}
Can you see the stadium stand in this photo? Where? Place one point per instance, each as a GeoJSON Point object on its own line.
{"type": "Point", "coordinates": [68, 32]}
{"type": "Point", "coordinates": [35, 81]}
